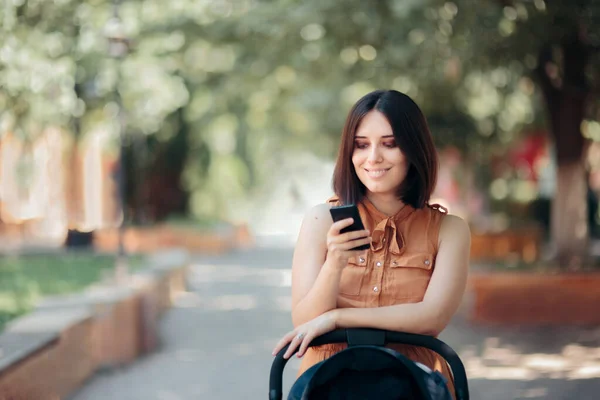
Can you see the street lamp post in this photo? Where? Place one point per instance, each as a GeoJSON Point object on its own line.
{"type": "Point", "coordinates": [118, 48]}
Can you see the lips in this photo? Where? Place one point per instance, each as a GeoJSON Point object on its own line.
{"type": "Point", "coordinates": [376, 173]}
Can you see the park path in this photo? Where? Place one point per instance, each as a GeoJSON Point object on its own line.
{"type": "Point", "coordinates": [217, 340]}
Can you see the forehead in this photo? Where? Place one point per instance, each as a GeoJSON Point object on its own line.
{"type": "Point", "coordinates": [374, 125]}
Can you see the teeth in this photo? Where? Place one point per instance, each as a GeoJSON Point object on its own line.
{"type": "Point", "coordinates": [376, 173]}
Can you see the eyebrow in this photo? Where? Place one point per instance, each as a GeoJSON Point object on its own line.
{"type": "Point", "coordinates": [364, 137]}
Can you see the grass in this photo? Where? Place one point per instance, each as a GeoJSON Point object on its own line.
{"type": "Point", "coordinates": [25, 279]}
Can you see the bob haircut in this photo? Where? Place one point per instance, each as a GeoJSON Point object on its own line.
{"type": "Point", "coordinates": [412, 135]}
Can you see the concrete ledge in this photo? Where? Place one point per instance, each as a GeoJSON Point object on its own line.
{"type": "Point", "coordinates": [534, 299]}
{"type": "Point", "coordinates": [46, 364]}
{"type": "Point", "coordinates": [15, 347]}
{"type": "Point", "coordinates": [50, 352]}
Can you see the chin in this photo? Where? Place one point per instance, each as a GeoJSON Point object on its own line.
{"type": "Point", "coordinates": [379, 188]}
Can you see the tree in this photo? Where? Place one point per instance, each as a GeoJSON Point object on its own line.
{"type": "Point", "coordinates": [490, 62]}
{"type": "Point", "coordinates": [231, 86]}
{"type": "Point", "coordinates": [56, 71]}
{"type": "Point", "coordinates": [556, 44]}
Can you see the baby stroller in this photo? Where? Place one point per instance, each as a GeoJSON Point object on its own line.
{"type": "Point", "coordinates": [368, 370]}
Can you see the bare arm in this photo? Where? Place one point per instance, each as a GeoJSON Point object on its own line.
{"type": "Point", "coordinates": [442, 298]}
{"type": "Point", "coordinates": [317, 264]}
{"type": "Point", "coordinates": [314, 283]}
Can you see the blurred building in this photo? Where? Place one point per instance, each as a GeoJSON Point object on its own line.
{"type": "Point", "coordinates": [48, 186]}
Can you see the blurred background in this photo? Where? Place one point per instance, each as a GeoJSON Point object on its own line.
{"type": "Point", "coordinates": [123, 120]}
{"type": "Point", "coordinates": [231, 111]}
{"type": "Point", "coordinates": [223, 107]}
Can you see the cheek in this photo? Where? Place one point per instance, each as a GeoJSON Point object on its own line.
{"type": "Point", "coordinates": [357, 159]}
{"type": "Point", "coordinates": [403, 162]}
{"type": "Point", "coordinates": [400, 159]}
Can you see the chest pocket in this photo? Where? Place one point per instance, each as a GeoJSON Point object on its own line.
{"type": "Point", "coordinates": [353, 276]}
{"type": "Point", "coordinates": [408, 277]}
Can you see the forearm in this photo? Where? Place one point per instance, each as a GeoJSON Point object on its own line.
{"type": "Point", "coordinates": [322, 296]}
{"type": "Point", "coordinates": [411, 318]}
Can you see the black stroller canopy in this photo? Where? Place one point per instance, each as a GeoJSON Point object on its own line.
{"type": "Point", "coordinates": [370, 372]}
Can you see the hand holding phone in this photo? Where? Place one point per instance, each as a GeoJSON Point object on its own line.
{"type": "Point", "coordinates": [347, 237]}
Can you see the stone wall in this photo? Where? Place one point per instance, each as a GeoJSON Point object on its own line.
{"type": "Point", "coordinates": [49, 353]}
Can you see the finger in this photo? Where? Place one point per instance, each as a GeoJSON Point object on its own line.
{"type": "Point", "coordinates": [294, 342]}
{"type": "Point", "coordinates": [341, 224]}
{"type": "Point", "coordinates": [353, 235]}
{"type": "Point", "coordinates": [293, 345]}
{"type": "Point", "coordinates": [347, 237]}
{"type": "Point", "coordinates": [280, 345]}
{"type": "Point", "coordinates": [285, 340]}
{"type": "Point", "coordinates": [304, 345]}
{"type": "Point", "coordinates": [355, 243]}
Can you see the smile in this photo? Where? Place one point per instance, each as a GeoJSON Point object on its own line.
{"type": "Point", "coordinates": [376, 173]}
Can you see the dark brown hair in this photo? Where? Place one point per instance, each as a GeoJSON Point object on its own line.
{"type": "Point", "coordinates": [412, 136]}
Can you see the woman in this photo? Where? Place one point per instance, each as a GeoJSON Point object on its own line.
{"type": "Point", "coordinates": [413, 276]}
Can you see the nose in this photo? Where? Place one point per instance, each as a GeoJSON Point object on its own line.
{"type": "Point", "coordinates": [375, 155]}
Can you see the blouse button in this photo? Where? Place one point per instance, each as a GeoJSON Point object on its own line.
{"type": "Point", "coordinates": [378, 263]}
{"type": "Point", "coordinates": [427, 262]}
{"type": "Point", "coordinates": [383, 240]}
{"type": "Point", "coordinates": [376, 289]}
{"type": "Point", "coordinates": [361, 260]}
{"type": "Point", "coordinates": [394, 263]}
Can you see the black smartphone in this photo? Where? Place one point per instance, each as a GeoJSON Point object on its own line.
{"type": "Point", "coordinates": [339, 213]}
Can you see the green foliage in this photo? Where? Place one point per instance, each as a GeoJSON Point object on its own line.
{"type": "Point", "coordinates": [25, 279]}
{"type": "Point", "coordinates": [249, 80]}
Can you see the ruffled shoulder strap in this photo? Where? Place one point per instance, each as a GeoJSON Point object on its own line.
{"type": "Point", "coordinates": [333, 200]}
{"type": "Point", "coordinates": [438, 207]}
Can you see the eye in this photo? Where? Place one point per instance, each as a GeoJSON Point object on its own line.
{"type": "Point", "coordinates": [390, 145]}
{"type": "Point", "coordinates": [360, 145]}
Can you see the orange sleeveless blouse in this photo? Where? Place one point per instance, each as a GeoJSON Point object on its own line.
{"type": "Point", "coordinates": [396, 270]}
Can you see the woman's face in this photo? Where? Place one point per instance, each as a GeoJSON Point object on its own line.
{"type": "Point", "coordinates": [377, 159]}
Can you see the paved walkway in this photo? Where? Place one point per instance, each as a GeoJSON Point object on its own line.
{"type": "Point", "coordinates": [218, 339]}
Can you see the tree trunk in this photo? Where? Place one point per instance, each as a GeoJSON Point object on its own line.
{"type": "Point", "coordinates": [75, 238]}
{"type": "Point", "coordinates": [570, 233]}
{"type": "Point", "coordinates": [566, 98]}
{"type": "Point", "coordinates": [569, 224]}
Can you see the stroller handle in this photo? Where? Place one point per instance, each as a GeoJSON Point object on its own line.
{"type": "Point", "coordinates": [376, 337]}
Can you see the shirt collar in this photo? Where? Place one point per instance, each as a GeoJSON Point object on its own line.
{"type": "Point", "coordinates": [396, 244]}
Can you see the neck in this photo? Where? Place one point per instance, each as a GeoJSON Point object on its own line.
{"type": "Point", "coordinates": [387, 204]}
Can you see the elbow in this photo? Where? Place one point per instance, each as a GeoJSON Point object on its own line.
{"type": "Point", "coordinates": [433, 331]}
{"type": "Point", "coordinates": [430, 328]}
{"type": "Point", "coordinates": [434, 324]}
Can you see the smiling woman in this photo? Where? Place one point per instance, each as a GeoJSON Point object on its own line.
{"type": "Point", "coordinates": [376, 153]}
{"type": "Point", "coordinates": [413, 275]}
{"type": "Point", "coordinates": [386, 148]}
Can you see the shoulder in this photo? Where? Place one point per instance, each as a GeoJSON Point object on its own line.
{"type": "Point", "coordinates": [318, 218]}
{"type": "Point", "coordinates": [319, 212]}
{"type": "Point", "coordinates": [315, 225]}
{"type": "Point", "coordinates": [454, 229]}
